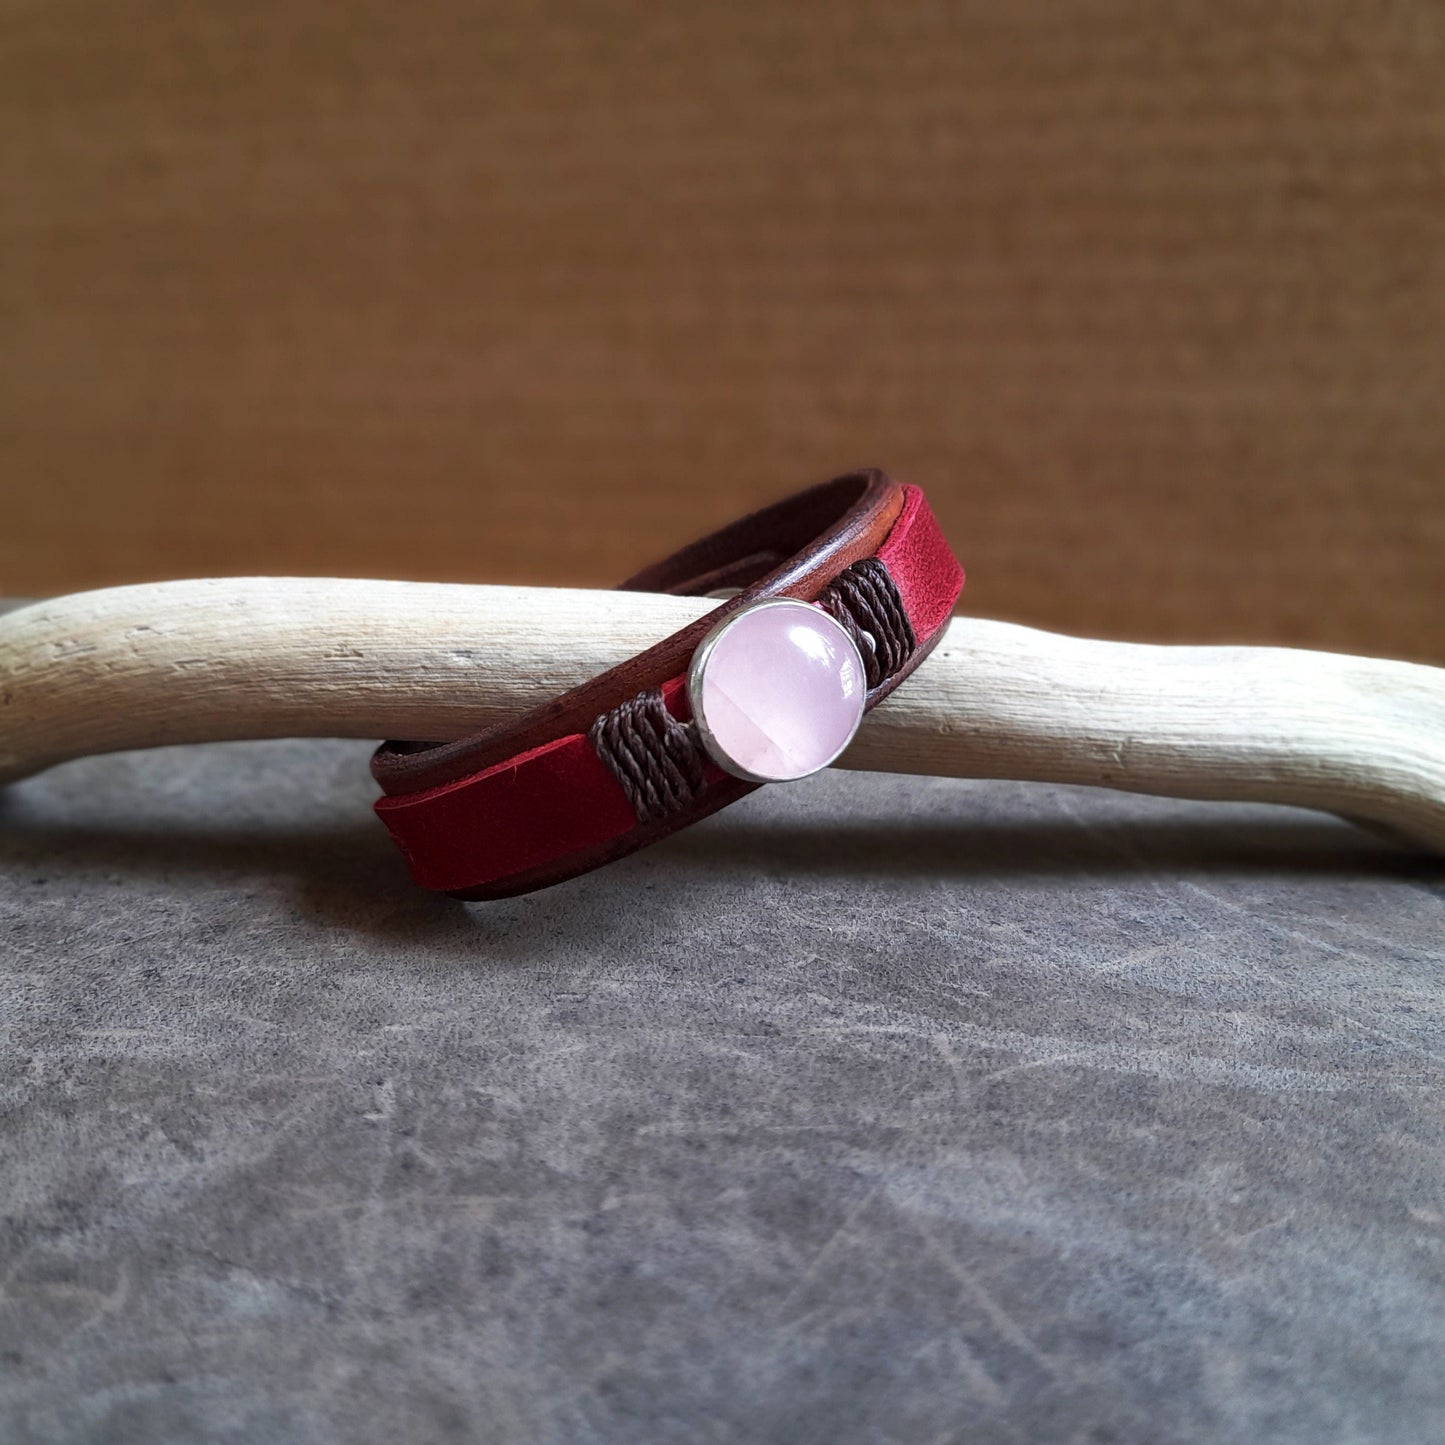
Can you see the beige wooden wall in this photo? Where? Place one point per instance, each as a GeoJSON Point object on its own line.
{"type": "Point", "coordinates": [1150, 296]}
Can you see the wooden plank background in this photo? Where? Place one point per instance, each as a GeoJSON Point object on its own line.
{"type": "Point", "coordinates": [1151, 297]}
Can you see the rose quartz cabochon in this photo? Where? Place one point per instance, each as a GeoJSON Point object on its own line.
{"type": "Point", "coordinates": [781, 693]}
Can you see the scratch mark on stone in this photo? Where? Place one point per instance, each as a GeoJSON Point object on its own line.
{"type": "Point", "coordinates": [385, 1102]}
{"type": "Point", "coordinates": [1138, 955]}
{"type": "Point", "coordinates": [1023, 1064]}
{"type": "Point", "coordinates": [1309, 940]}
{"type": "Point", "coordinates": [1008, 1327]}
{"type": "Point", "coordinates": [844, 1228]}
{"type": "Point", "coordinates": [1154, 1063]}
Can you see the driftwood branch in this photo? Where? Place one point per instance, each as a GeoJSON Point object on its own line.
{"type": "Point", "coordinates": [181, 662]}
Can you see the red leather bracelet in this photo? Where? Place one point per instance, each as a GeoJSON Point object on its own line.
{"type": "Point", "coordinates": [846, 587]}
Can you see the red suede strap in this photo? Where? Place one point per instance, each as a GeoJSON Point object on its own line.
{"type": "Point", "coordinates": [534, 810]}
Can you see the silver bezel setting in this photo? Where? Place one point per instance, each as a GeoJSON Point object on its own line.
{"type": "Point", "coordinates": [698, 666]}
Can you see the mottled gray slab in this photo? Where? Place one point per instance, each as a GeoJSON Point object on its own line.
{"type": "Point", "coordinates": [876, 1109]}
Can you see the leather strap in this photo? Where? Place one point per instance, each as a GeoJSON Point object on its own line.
{"type": "Point", "coordinates": [536, 801]}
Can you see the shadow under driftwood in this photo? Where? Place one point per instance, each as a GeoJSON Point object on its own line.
{"type": "Point", "coordinates": [303, 808]}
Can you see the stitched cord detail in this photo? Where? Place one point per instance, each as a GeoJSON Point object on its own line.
{"type": "Point", "coordinates": [863, 599]}
{"type": "Point", "coordinates": [657, 760]}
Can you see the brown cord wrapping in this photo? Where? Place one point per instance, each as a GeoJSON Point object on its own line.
{"type": "Point", "coordinates": [863, 599]}
{"type": "Point", "coordinates": [658, 761]}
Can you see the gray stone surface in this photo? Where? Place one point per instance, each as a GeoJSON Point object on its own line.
{"type": "Point", "coordinates": [876, 1109]}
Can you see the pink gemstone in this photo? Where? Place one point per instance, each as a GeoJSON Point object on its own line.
{"type": "Point", "coordinates": [777, 691]}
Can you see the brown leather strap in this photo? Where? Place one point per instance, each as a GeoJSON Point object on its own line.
{"type": "Point", "coordinates": [791, 549]}
{"type": "Point", "coordinates": [618, 762]}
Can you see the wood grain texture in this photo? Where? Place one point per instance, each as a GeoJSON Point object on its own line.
{"type": "Point", "coordinates": [216, 659]}
{"type": "Point", "coordinates": [1151, 298]}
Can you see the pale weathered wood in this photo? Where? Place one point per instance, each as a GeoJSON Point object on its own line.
{"type": "Point", "coordinates": [213, 659]}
